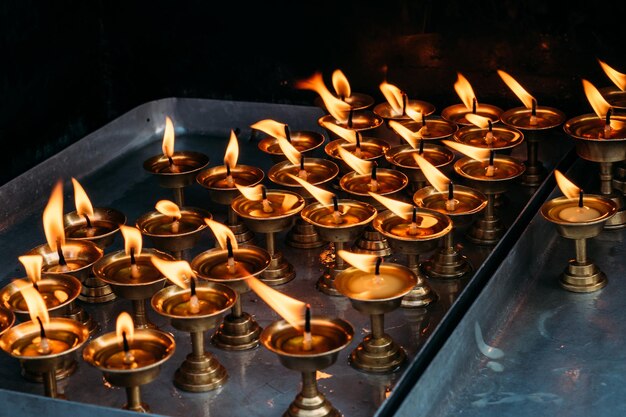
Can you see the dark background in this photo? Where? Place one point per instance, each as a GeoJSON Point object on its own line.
{"type": "Point", "coordinates": [69, 67]}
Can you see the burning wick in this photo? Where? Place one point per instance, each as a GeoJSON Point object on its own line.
{"type": "Point", "coordinates": [90, 230]}
{"type": "Point", "coordinates": [134, 269]}
{"type": "Point", "coordinates": [404, 104]}
{"type": "Point", "coordinates": [489, 135]}
{"type": "Point", "coordinates": [336, 213]}
{"type": "Point", "coordinates": [62, 262]}
{"type": "Point", "coordinates": [377, 278]}
{"type": "Point", "coordinates": [129, 358]}
{"type": "Point", "coordinates": [413, 227]}
{"type": "Point", "coordinates": [229, 178]}
{"type": "Point", "coordinates": [194, 304]}
{"type": "Point", "coordinates": [175, 225]}
{"type": "Point", "coordinates": [307, 340]}
{"type": "Point", "coordinates": [231, 257]}
{"type": "Point", "coordinates": [451, 202]}
{"type": "Point", "coordinates": [357, 150]}
{"type": "Point", "coordinates": [350, 114]}
{"type": "Point", "coordinates": [474, 105]}
{"type": "Point", "coordinates": [173, 166]}
{"type": "Point", "coordinates": [607, 123]}
{"type": "Point", "coordinates": [580, 198]}
{"type": "Point", "coordinates": [490, 170]}
{"type": "Point", "coordinates": [533, 113]}
{"type": "Point", "coordinates": [421, 147]}
{"type": "Point", "coordinates": [287, 133]}
{"type": "Point", "coordinates": [44, 345]}
{"type": "Point", "coordinates": [424, 129]}
{"type": "Point", "coordinates": [302, 173]}
{"type": "Point", "coordinates": [373, 181]}
{"type": "Point", "coordinates": [267, 206]}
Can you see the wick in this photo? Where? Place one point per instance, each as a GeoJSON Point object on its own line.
{"type": "Point", "coordinates": [350, 114]}
{"type": "Point", "coordinates": [336, 213]}
{"type": "Point", "coordinates": [421, 147]}
{"type": "Point", "coordinates": [133, 261]}
{"type": "Point", "coordinates": [35, 286]}
{"type": "Point", "coordinates": [129, 358]}
{"type": "Point", "coordinates": [229, 178]}
{"type": "Point", "coordinates": [229, 248]}
{"type": "Point", "coordinates": [451, 202]}
{"type": "Point", "coordinates": [125, 342]}
{"type": "Point", "coordinates": [62, 261]}
{"type": "Point", "coordinates": [44, 346]}
{"type": "Point", "coordinates": [490, 124]}
{"type": "Point", "coordinates": [173, 166]}
{"type": "Point", "coordinates": [357, 150]}
{"type": "Point", "coordinates": [134, 269]}
{"type": "Point", "coordinates": [231, 256]}
{"type": "Point", "coordinates": [227, 165]}
{"type": "Point", "coordinates": [607, 123]}
{"type": "Point", "coordinates": [301, 162]}
{"type": "Point", "coordinates": [373, 180]}
{"type": "Point", "coordinates": [379, 260]}
{"type": "Point", "coordinates": [267, 206]}
{"type": "Point", "coordinates": [489, 135]}
{"type": "Point", "coordinates": [490, 171]}
{"type": "Point", "coordinates": [474, 104]}
{"type": "Point", "coordinates": [491, 156]}
{"type": "Point", "coordinates": [287, 133]}
{"type": "Point", "coordinates": [450, 190]}
{"type": "Point", "coordinates": [580, 198]}
{"type": "Point", "coordinates": [175, 225]}
{"type": "Point", "coordinates": [87, 220]}
{"type": "Point", "coordinates": [303, 174]}
{"type": "Point", "coordinates": [192, 285]}
{"type": "Point", "coordinates": [413, 227]}
{"type": "Point", "coordinates": [342, 98]}
{"type": "Point", "coordinates": [533, 110]}
{"type": "Point", "coordinates": [194, 303]}
{"type": "Point", "coordinates": [403, 104]}
{"type": "Point", "coordinates": [307, 340]}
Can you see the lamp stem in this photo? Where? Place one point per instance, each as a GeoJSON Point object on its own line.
{"type": "Point", "coordinates": [140, 316]}
{"type": "Point", "coordinates": [339, 262]}
{"type": "Point", "coordinates": [490, 209]}
{"type": "Point", "coordinates": [232, 216]}
{"type": "Point", "coordinates": [309, 385]}
{"type": "Point", "coordinates": [378, 325]}
{"type": "Point", "coordinates": [50, 384]}
{"type": "Point", "coordinates": [133, 396]}
{"type": "Point", "coordinates": [236, 310]}
{"type": "Point", "coordinates": [270, 243]}
{"type": "Point", "coordinates": [197, 344]}
{"type": "Point", "coordinates": [606, 176]}
{"type": "Point", "coordinates": [179, 197]}
{"type": "Point", "coordinates": [448, 242]}
{"type": "Point", "coordinates": [581, 251]}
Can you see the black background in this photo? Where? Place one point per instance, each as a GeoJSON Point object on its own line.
{"type": "Point", "coordinates": [69, 67]}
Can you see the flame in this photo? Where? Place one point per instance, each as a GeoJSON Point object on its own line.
{"type": "Point", "coordinates": [288, 308]}
{"type": "Point", "coordinates": [132, 239]}
{"type": "Point", "coordinates": [168, 208]}
{"type": "Point", "coordinates": [362, 261]}
{"type": "Point", "coordinates": [168, 138]}
{"type": "Point", "coordinates": [471, 151]}
{"type": "Point", "coordinates": [289, 201]}
{"type": "Point", "coordinates": [124, 325]}
{"type": "Point", "coordinates": [32, 264]}
{"type": "Point", "coordinates": [53, 218]}
{"type": "Point", "coordinates": [83, 205]}
{"type": "Point", "coordinates": [34, 301]}
{"type": "Point", "coordinates": [415, 115]}
{"type": "Point", "coordinates": [232, 151]}
{"type": "Point", "coordinates": [178, 272]}
{"type": "Point", "coordinates": [399, 208]}
{"type": "Point", "coordinates": [222, 232]}
{"type": "Point", "coordinates": [435, 177]}
{"type": "Point", "coordinates": [464, 89]}
{"type": "Point", "coordinates": [568, 188]}
{"type": "Point", "coordinates": [517, 88]}
{"type": "Point", "coordinates": [599, 104]}
{"type": "Point", "coordinates": [321, 195]}
{"type": "Point", "coordinates": [271, 127]}
{"type": "Point", "coordinates": [337, 108]}
{"type": "Point", "coordinates": [290, 151]}
{"type": "Point", "coordinates": [343, 133]}
{"type": "Point", "coordinates": [393, 95]}
{"type": "Point", "coordinates": [341, 84]}
{"type": "Point", "coordinates": [251, 193]}
{"type": "Point", "coordinates": [618, 78]}
{"type": "Point", "coordinates": [478, 120]}
{"type": "Point", "coordinates": [359, 165]}
{"type": "Point", "coordinates": [407, 134]}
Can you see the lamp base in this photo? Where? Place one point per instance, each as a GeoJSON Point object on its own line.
{"type": "Point", "coordinates": [96, 291]}
{"type": "Point", "coordinates": [200, 374]}
{"type": "Point", "coordinates": [372, 242]}
{"type": "Point", "coordinates": [380, 356]}
{"type": "Point", "coordinates": [278, 272]}
{"type": "Point", "coordinates": [243, 235]}
{"type": "Point", "coordinates": [316, 406]}
{"type": "Point", "coordinates": [486, 231]}
{"type": "Point", "coordinates": [237, 333]}
{"type": "Point", "coordinates": [448, 263]}
{"type": "Point", "coordinates": [583, 277]}
{"type": "Point", "coordinates": [304, 236]}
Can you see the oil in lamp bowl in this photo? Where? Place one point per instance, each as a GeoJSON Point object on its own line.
{"type": "Point", "coordinates": [390, 183]}
{"type": "Point", "coordinates": [57, 290]}
{"type": "Point", "coordinates": [469, 202]}
{"type": "Point", "coordinates": [457, 112]}
{"type": "Point", "coordinates": [157, 227]}
{"type": "Point", "coordinates": [357, 216]}
{"type": "Point", "coordinates": [214, 180]}
{"type": "Point", "coordinates": [7, 320]}
{"type": "Point", "coordinates": [519, 118]}
{"type": "Point", "coordinates": [587, 131]}
{"type": "Point", "coordinates": [105, 223]}
{"type": "Point", "coordinates": [188, 162]}
{"type": "Point", "coordinates": [305, 142]}
{"type": "Point", "coordinates": [507, 169]}
{"type": "Point", "coordinates": [362, 120]}
{"type": "Point", "coordinates": [579, 229]}
{"type": "Point", "coordinates": [401, 157]}
{"type": "Point", "coordinates": [358, 101]}
{"type": "Point", "coordinates": [504, 137]}
{"type": "Point", "coordinates": [80, 256]}
{"type": "Point", "coordinates": [320, 171]}
{"type": "Point", "coordinates": [437, 128]}
{"type": "Point", "coordinates": [330, 336]}
{"type": "Point", "coordinates": [258, 221]}
{"type": "Point", "coordinates": [372, 149]}
{"type": "Point", "coordinates": [385, 110]}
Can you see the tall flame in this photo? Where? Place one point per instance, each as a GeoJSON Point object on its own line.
{"type": "Point", "coordinates": [288, 308]}
{"type": "Point", "coordinates": [251, 193]}
{"type": "Point", "coordinates": [517, 88]}
{"type": "Point", "coordinates": [399, 208]}
{"type": "Point", "coordinates": [321, 195]}
{"type": "Point", "coordinates": [290, 151]}
{"type": "Point", "coordinates": [471, 151]}
{"type": "Point", "coordinates": [132, 239]}
{"type": "Point", "coordinates": [168, 208]}
{"type": "Point", "coordinates": [465, 91]}
{"type": "Point", "coordinates": [32, 264]}
{"type": "Point", "coordinates": [478, 120]}
{"type": "Point", "coordinates": [407, 134]}
{"type": "Point", "coordinates": [34, 301]}
{"type": "Point", "coordinates": [179, 272]}
{"type": "Point", "coordinates": [599, 104]}
{"type": "Point", "coordinates": [568, 188]}
{"type": "Point", "coordinates": [341, 84]}
{"type": "Point", "coordinates": [359, 165]}
{"type": "Point", "coordinates": [222, 232]}
{"type": "Point", "coordinates": [53, 218]}
{"type": "Point", "coordinates": [232, 151]}
{"type": "Point", "coordinates": [415, 115]}
{"type": "Point", "coordinates": [393, 95]}
{"type": "Point", "coordinates": [618, 78]}
{"type": "Point", "coordinates": [343, 133]}
{"type": "Point", "coordinates": [271, 127]}
{"type": "Point", "coordinates": [362, 261]}
{"type": "Point", "coordinates": [124, 325]}
{"type": "Point", "coordinates": [168, 138]}
{"type": "Point", "coordinates": [337, 108]}
{"type": "Point", "coordinates": [81, 200]}
{"type": "Point", "coordinates": [435, 177]}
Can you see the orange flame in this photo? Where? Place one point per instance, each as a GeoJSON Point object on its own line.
{"type": "Point", "coordinates": [361, 261]}
{"type": "Point", "coordinates": [290, 151]}
{"type": "Point", "coordinates": [288, 308]}
{"type": "Point", "coordinates": [399, 208]}
{"type": "Point", "coordinates": [478, 120]}
{"type": "Point", "coordinates": [517, 88]}
{"type": "Point", "coordinates": [34, 301]}
{"type": "Point", "coordinates": [337, 108]}
{"type": "Point", "coordinates": [471, 151]}
{"type": "Point", "coordinates": [251, 193]}
{"type": "Point", "coordinates": [568, 188]}
{"type": "Point", "coordinates": [289, 201]}
{"type": "Point", "coordinates": [435, 177]}
{"type": "Point", "coordinates": [359, 165]}
{"type": "Point", "coordinates": [321, 195]}
{"type": "Point", "coordinates": [271, 127]}
{"type": "Point", "coordinates": [341, 84]}
{"type": "Point", "coordinates": [222, 232]}
{"type": "Point", "coordinates": [343, 133]}
{"type": "Point", "coordinates": [465, 91]}
{"type": "Point", "coordinates": [232, 151]}
{"type": "Point", "coordinates": [53, 218]}
{"type": "Point", "coordinates": [393, 95]}
{"type": "Point", "coordinates": [178, 272]}
{"type": "Point", "coordinates": [82, 202]}
{"type": "Point", "coordinates": [415, 115]}
{"type": "Point", "coordinates": [168, 138]}
{"type": "Point", "coordinates": [407, 134]}
{"type": "Point", "coordinates": [132, 239]}
{"type": "Point", "coordinates": [168, 208]}
{"type": "Point", "coordinates": [599, 104]}
{"type": "Point", "coordinates": [124, 325]}
{"type": "Point", "coordinates": [618, 78]}
{"type": "Point", "coordinates": [32, 264]}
